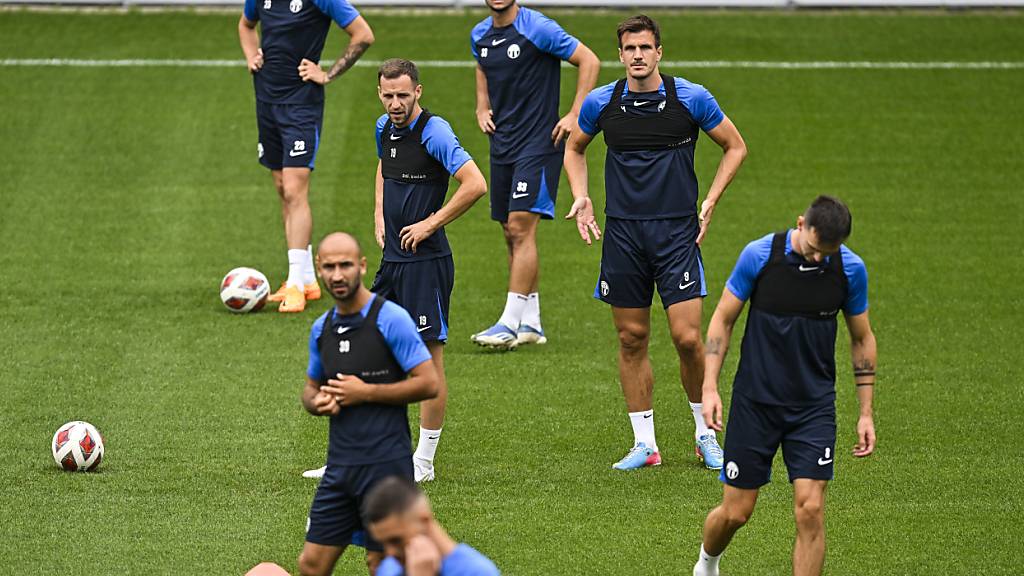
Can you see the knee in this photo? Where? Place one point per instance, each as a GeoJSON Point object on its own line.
{"type": "Point", "coordinates": [292, 195]}
{"type": "Point", "coordinates": [687, 341]}
{"type": "Point", "coordinates": [310, 566]}
{"type": "Point", "coordinates": [810, 514]}
{"type": "Point", "coordinates": [517, 233]}
{"type": "Point", "coordinates": [633, 340]}
{"type": "Point", "coordinates": [736, 516]}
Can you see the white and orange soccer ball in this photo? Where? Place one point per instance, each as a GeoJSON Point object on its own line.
{"type": "Point", "coordinates": [244, 290]}
{"type": "Point", "coordinates": [77, 447]}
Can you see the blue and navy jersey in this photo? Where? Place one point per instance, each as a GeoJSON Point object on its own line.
{"type": "Point", "coordinates": [290, 31]}
{"type": "Point", "coordinates": [659, 182]}
{"type": "Point", "coordinates": [408, 200]}
{"type": "Point", "coordinates": [395, 325]}
{"type": "Point", "coordinates": [755, 255]}
{"type": "Point", "coordinates": [522, 63]}
{"type": "Point", "coordinates": [463, 561]}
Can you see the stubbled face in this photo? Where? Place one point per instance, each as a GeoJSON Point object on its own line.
{"type": "Point", "coordinates": [810, 246]}
{"type": "Point", "coordinates": [399, 97]}
{"type": "Point", "coordinates": [500, 5]}
{"type": "Point", "coordinates": [395, 532]}
{"type": "Point", "coordinates": [342, 272]}
{"type": "Point", "coordinates": [640, 54]}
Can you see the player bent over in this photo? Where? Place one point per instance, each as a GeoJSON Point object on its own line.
{"type": "Point", "coordinates": [398, 515]}
{"type": "Point", "coordinates": [366, 363]}
{"type": "Point", "coordinates": [653, 231]}
{"type": "Point", "coordinates": [289, 87]}
{"type": "Point", "coordinates": [797, 281]}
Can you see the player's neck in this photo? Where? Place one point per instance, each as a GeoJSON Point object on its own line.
{"type": "Point", "coordinates": [354, 304]}
{"type": "Point", "coordinates": [649, 84]}
{"type": "Point", "coordinates": [505, 17]}
{"type": "Point", "coordinates": [445, 544]}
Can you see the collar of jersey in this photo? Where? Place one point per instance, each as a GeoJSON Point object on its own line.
{"type": "Point", "coordinates": [339, 319]}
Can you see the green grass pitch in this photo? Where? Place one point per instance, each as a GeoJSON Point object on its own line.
{"type": "Point", "coordinates": [126, 193]}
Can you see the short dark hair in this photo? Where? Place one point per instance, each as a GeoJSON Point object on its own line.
{"type": "Point", "coordinates": [639, 23]}
{"type": "Point", "coordinates": [392, 495]}
{"type": "Point", "coordinates": [830, 218]}
{"type": "Point", "coordinates": [396, 68]}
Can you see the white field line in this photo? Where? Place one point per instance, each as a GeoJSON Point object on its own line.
{"type": "Point", "coordinates": [742, 64]}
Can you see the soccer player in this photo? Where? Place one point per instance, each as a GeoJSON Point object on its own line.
{"type": "Point", "coordinates": [366, 363]}
{"type": "Point", "coordinates": [289, 111]}
{"type": "Point", "coordinates": [797, 281]}
{"type": "Point", "coordinates": [519, 53]}
{"type": "Point", "coordinates": [653, 232]}
{"type": "Point", "coordinates": [398, 516]}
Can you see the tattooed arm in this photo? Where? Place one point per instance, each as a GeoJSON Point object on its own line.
{"type": "Point", "coordinates": [719, 332]}
{"type": "Point", "coordinates": [864, 352]}
{"type": "Point", "coordinates": [360, 39]}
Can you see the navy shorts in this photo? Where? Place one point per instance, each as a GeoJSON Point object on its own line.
{"type": "Point", "coordinates": [755, 431]}
{"type": "Point", "coordinates": [637, 255]}
{"type": "Point", "coordinates": [289, 134]}
{"type": "Point", "coordinates": [528, 185]}
{"type": "Point", "coordinates": [335, 517]}
{"type": "Point", "coordinates": [424, 289]}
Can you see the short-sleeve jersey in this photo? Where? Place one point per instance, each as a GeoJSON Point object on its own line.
{"type": "Point", "coordinates": [291, 30]}
{"type": "Point", "coordinates": [659, 181]}
{"type": "Point", "coordinates": [463, 561]}
{"type": "Point", "coordinates": [411, 199]}
{"type": "Point", "coordinates": [522, 63]}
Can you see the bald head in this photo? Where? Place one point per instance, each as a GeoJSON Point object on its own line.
{"type": "Point", "coordinates": [342, 242]}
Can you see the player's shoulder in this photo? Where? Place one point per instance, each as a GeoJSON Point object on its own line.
{"type": "Point", "coordinates": [481, 28]}
{"type": "Point", "coordinates": [688, 91]}
{"type": "Point", "coordinates": [318, 325]}
{"type": "Point", "coordinates": [437, 124]}
{"type": "Point", "coordinates": [382, 120]}
{"type": "Point", "coordinates": [853, 264]}
{"type": "Point", "coordinates": [466, 560]}
{"type": "Point", "coordinates": [602, 94]}
{"type": "Point", "coordinates": [529, 18]}
{"type": "Point", "coordinates": [390, 567]}
{"type": "Point", "coordinates": [760, 245]}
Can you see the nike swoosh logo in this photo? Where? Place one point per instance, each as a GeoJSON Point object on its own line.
{"type": "Point", "coordinates": [523, 195]}
{"type": "Point", "coordinates": [687, 285]}
{"type": "Point", "coordinates": [432, 437]}
{"type": "Point", "coordinates": [641, 102]}
{"type": "Point", "coordinates": [497, 42]}
{"type": "Point", "coordinates": [822, 461]}
{"type": "Point", "coordinates": [293, 153]}
{"type": "Point", "coordinates": [344, 329]}
{"type": "Point", "coordinates": [393, 137]}
{"type": "Point", "coordinates": [423, 328]}
{"type": "Point", "coordinates": [806, 269]}
{"type": "Point", "coordinates": [648, 415]}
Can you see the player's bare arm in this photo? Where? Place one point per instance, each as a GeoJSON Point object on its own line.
{"type": "Point", "coordinates": [589, 66]}
{"type": "Point", "coordinates": [472, 187]}
{"type": "Point", "coordinates": [484, 114]}
{"type": "Point", "coordinates": [250, 41]}
{"type": "Point", "coordinates": [359, 41]}
{"type": "Point", "coordinates": [422, 384]}
{"type": "Point", "coordinates": [378, 206]}
{"type": "Point", "coordinates": [719, 333]}
{"type": "Point", "coordinates": [575, 162]}
{"type": "Point", "coordinates": [316, 402]}
{"type": "Point", "coordinates": [864, 352]}
{"type": "Point", "coordinates": [734, 151]}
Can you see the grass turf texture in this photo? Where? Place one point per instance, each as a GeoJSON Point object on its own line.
{"type": "Point", "coordinates": [128, 192]}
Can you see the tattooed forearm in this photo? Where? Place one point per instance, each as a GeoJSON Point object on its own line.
{"type": "Point", "coordinates": [713, 347]}
{"type": "Point", "coordinates": [352, 53]}
{"type": "Point", "coordinates": [863, 367]}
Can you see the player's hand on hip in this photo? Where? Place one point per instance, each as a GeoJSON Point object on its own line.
{"type": "Point", "coordinates": [563, 128]}
{"type": "Point", "coordinates": [865, 437]}
{"type": "Point", "coordinates": [413, 234]}
{"type": "Point", "coordinates": [256, 62]}
{"type": "Point", "coordinates": [707, 209]}
{"type": "Point", "coordinates": [310, 71]}
{"type": "Point", "coordinates": [583, 211]}
{"type": "Point", "coordinates": [484, 118]}
{"type": "Point", "coordinates": [348, 390]}
{"type": "Point", "coordinates": [711, 409]}
{"type": "Point", "coordinates": [325, 404]}
{"type": "Point", "coordinates": [422, 558]}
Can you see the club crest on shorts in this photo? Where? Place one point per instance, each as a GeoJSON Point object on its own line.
{"type": "Point", "coordinates": [732, 470]}
{"type": "Point", "coordinates": [259, 149]}
{"type": "Point", "coordinates": [295, 6]}
{"type": "Point", "coordinates": [604, 288]}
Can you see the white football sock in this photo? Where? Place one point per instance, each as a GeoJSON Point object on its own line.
{"type": "Point", "coordinates": [427, 446]}
{"type": "Point", "coordinates": [513, 314]}
{"type": "Point", "coordinates": [700, 428]}
{"type": "Point", "coordinates": [531, 314]}
{"type": "Point", "coordinates": [707, 565]}
{"type": "Point", "coordinates": [643, 428]}
{"type": "Point", "coordinates": [308, 272]}
{"type": "Point", "coordinates": [295, 259]}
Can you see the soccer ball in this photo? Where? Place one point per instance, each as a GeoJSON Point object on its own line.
{"type": "Point", "coordinates": [77, 447]}
{"type": "Point", "coordinates": [244, 290]}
